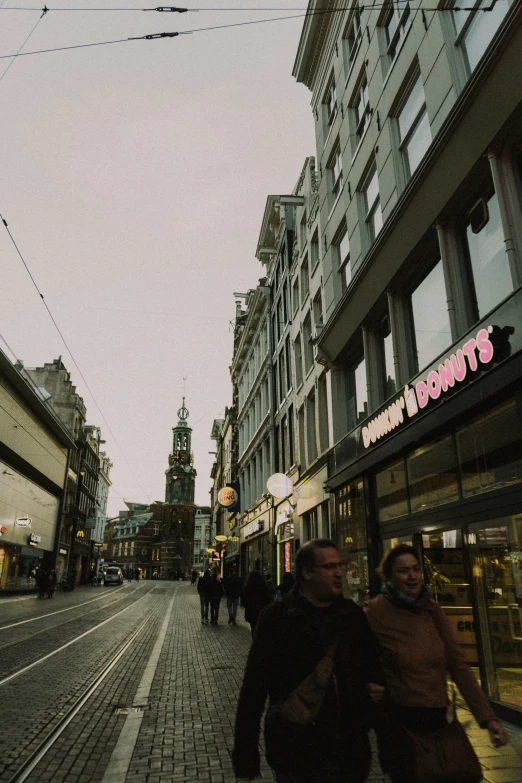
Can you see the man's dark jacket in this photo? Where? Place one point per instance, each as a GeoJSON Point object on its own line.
{"type": "Point", "coordinates": [233, 585]}
{"type": "Point", "coordinates": [286, 648]}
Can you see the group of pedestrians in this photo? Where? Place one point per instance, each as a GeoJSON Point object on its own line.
{"type": "Point", "coordinates": [46, 582]}
{"type": "Point", "coordinates": [331, 671]}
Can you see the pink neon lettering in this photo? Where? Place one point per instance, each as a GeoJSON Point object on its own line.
{"type": "Point", "coordinates": [446, 375]}
{"type": "Point", "coordinates": [458, 365]}
{"type": "Point", "coordinates": [469, 350]}
{"type": "Point", "coordinates": [422, 394]}
{"type": "Point", "coordinates": [433, 382]}
{"type": "Point", "coordinates": [485, 346]}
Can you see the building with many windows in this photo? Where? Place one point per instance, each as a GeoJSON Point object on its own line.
{"type": "Point", "coordinates": [419, 150]}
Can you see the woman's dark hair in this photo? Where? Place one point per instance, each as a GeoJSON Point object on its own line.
{"type": "Point", "coordinates": [386, 565]}
{"type": "Point", "coordinates": [287, 582]}
{"type": "Point", "coordinates": [305, 557]}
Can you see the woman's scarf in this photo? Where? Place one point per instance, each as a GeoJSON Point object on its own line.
{"type": "Point", "coordinates": [404, 600]}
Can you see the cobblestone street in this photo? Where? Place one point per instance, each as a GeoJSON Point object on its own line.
{"type": "Point", "coordinates": [167, 711]}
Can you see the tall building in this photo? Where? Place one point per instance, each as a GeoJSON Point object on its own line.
{"type": "Point", "coordinates": [418, 118]}
{"type": "Point", "coordinates": [181, 474]}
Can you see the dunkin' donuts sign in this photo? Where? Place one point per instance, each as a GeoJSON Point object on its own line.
{"type": "Point", "coordinates": [469, 358]}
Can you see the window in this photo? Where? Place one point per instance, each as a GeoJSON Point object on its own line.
{"type": "Point", "coordinates": [391, 492]}
{"type": "Point", "coordinates": [288, 363]}
{"type": "Point", "coordinates": [314, 250]}
{"type": "Point", "coordinates": [387, 364]}
{"type": "Point", "coordinates": [310, 524]}
{"type": "Point", "coordinates": [291, 456]}
{"type": "Point", "coordinates": [282, 374]}
{"type": "Point", "coordinates": [357, 391]}
{"type": "Point", "coordinates": [317, 308]}
{"type": "Point", "coordinates": [303, 235]}
{"type": "Point", "coordinates": [305, 280]}
{"type": "Point", "coordinates": [298, 358]}
{"type": "Point", "coordinates": [396, 25]}
{"type": "Point", "coordinates": [432, 475]}
{"type": "Point", "coordinates": [335, 167]}
{"type": "Point", "coordinates": [361, 107]}
{"type": "Point", "coordinates": [197, 530]}
{"type": "Point", "coordinates": [488, 262]}
{"type": "Point", "coordinates": [301, 431]}
{"type": "Point", "coordinates": [284, 439]}
{"type": "Point", "coordinates": [285, 303]}
{"type": "Point", "coordinates": [323, 414]}
{"type": "Point", "coordinates": [311, 435]}
{"type": "Point", "coordinates": [351, 40]}
{"type": "Point", "coordinates": [490, 451]}
{"type": "Point", "coordinates": [414, 127]}
{"type": "Point", "coordinates": [308, 345]}
{"type": "Point", "coordinates": [475, 29]}
{"type": "Point", "coordinates": [372, 204]}
{"type": "Point", "coordinates": [295, 294]}
{"type": "Point", "coordinates": [330, 102]}
{"type": "Point", "coordinates": [429, 311]}
{"type": "Point", "coordinates": [352, 540]}
{"type": "Point", "coordinates": [341, 248]}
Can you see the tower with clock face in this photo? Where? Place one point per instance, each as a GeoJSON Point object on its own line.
{"type": "Point", "coordinates": [181, 475]}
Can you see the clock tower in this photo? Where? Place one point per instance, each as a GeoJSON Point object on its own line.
{"type": "Point", "coordinates": [180, 474]}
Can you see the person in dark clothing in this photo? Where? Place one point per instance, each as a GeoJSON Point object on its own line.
{"type": "Point", "coordinates": [291, 638]}
{"type": "Point", "coordinates": [42, 581]}
{"type": "Point", "coordinates": [233, 585]}
{"type": "Point", "coordinates": [215, 594]}
{"type": "Point", "coordinates": [286, 585]}
{"type": "Point", "coordinates": [256, 597]}
{"type": "Point", "coordinates": [203, 590]}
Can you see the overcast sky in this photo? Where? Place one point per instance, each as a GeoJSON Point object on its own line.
{"type": "Point", "coordinates": [134, 178]}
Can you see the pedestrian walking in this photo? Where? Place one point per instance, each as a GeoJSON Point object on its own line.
{"type": "Point", "coordinates": [286, 585]}
{"type": "Point", "coordinates": [271, 586]}
{"type": "Point", "coordinates": [256, 597]}
{"type": "Point", "coordinates": [51, 583]}
{"type": "Point", "coordinates": [203, 590]}
{"type": "Point", "coordinates": [314, 656]}
{"type": "Point", "coordinates": [100, 576]}
{"type": "Point", "coordinates": [418, 649]}
{"type": "Point", "coordinates": [233, 586]}
{"type": "Point", "coordinates": [41, 582]}
{"type": "Point", "coordinates": [215, 594]}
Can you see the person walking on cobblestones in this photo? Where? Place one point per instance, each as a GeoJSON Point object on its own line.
{"type": "Point", "coordinates": [203, 591]}
{"type": "Point", "coordinates": [256, 597]}
{"type": "Point", "coordinates": [313, 628]}
{"type": "Point", "coordinates": [215, 594]}
{"type": "Point", "coordinates": [233, 585]}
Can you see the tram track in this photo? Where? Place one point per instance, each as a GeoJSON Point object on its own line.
{"type": "Point", "coordinates": [70, 620]}
{"type": "Point", "coordinates": [30, 763]}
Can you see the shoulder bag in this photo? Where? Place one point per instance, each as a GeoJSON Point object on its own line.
{"type": "Point", "coordinates": [445, 755]}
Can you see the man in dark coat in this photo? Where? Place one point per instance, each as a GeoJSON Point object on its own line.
{"type": "Point", "coordinates": [204, 597]}
{"type": "Point", "coordinates": [215, 594]}
{"type": "Point", "coordinates": [233, 585]}
{"type": "Point", "coordinates": [292, 636]}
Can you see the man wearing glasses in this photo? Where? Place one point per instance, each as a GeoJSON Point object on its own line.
{"type": "Point", "coordinates": [291, 638]}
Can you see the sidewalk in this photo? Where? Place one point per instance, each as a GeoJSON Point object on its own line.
{"type": "Point", "coordinates": [186, 734]}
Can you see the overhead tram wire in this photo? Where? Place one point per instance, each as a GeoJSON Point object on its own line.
{"type": "Point", "coordinates": [69, 351]}
{"type": "Point", "coordinates": [155, 36]}
{"type": "Point", "coordinates": [174, 9]}
{"type": "Point", "coordinates": [24, 43]}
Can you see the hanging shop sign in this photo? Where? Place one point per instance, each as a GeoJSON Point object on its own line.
{"type": "Point", "coordinates": [34, 539]}
{"type": "Point", "coordinates": [228, 497]}
{"type": "Point", "coordinates": [472, 356]}
{"type": "Point", "coordinates": [62, 551]}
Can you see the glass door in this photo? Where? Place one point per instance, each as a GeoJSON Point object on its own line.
{"type": "Point", "coordinates": [496, 555]}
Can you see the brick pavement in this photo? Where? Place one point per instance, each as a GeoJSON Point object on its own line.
{"type": "Point", "coordinates": [186, 734]}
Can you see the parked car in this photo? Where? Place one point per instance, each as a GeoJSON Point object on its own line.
{"type": "Point", "coordinates": [113, 576]}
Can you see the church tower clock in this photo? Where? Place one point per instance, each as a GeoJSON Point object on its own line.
{"type": "Point", "coordinates": [181, 475]}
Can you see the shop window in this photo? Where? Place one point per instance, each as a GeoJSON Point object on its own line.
{"type": "Point", "coordinates": [490, 451]}
{"type": "Point", "coordinates": [488, 262]}
{"type": "Point", "coordinates": [413, 125]}
{"type": "Point", "coordinates": [352, 540]}
{"type": "Point", "coordinates": [445, 573]}
{"type": "Point", "coordinates": [475, 27]}
{"type": "Point", "coordinates": [430, 320]}
{"type": "Point", "coordinates": [391, 493]}
{"type": "Point", "coordinates": [432, 475]}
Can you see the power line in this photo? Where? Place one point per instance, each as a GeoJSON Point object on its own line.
{"type": "Point", "coordinates": [22, 46]}
{"type": "Point", "coordinates": [236, 24]}
{"type": "Point", "coordinates": [174, 9]}
{"type": "Point", "coordinates": [68, 349]}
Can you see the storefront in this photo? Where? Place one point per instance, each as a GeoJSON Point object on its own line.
{"type": "Point", "coordinates": [285, 542]}
{"type": "Point", "coordinates": [440, 467]}
{"type": "Point", "coordinates": [256, 547]}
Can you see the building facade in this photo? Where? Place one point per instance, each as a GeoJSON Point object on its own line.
{"type": "Point", "coordinates": [35, 451]}
{"type": "Point", "coordinates": [419, 152]}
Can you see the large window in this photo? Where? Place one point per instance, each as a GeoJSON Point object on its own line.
{"type": "Point", "coordinates": [490, 450]}
{"type": "Point", "coordinates": [330, 102]}
{"type": "Point", "coordinates": [391, 492]}
{"type": "Point", "coordinates": [308, 345]}
{"type": "Point", "coordinates": [301, 433]}
{"type": "Point", "coordinates": [323, 413]}
{"type": "Point", "coordinates": [314, 250]}
{"type": "Point", "coordinates": [352, 540]}
{"type": "Point", "coordinates": [311, 434]}
{"type": "Point", "coordinates": [295, 294]}
{"type": "Point", "coordinates": [305, 279]}
{"type": "Point", "coordinates": [397, 22]}
{"type": "Point", "coordinates": [372, 205]}
{"type": "Point", "coordinates": [387, 363]}
{"type": "Point", "coordinates": [430, 320]}
{"type": "Point", "coordinates": [298, 359]}
{"type": "Point", "coordinates": [414, 126]}
{"type": "Point", "coordinates": [432, 475]}
{"type": "Point", "coordinates": [357, 391]}
{"type": "Point", "coordinates": [351, 40]}
{"type": "Point", "coordinates": [475, 28]}
{"type": "Point", "coordinates": [488, 262]}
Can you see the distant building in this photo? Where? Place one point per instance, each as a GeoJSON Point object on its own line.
{"type": "Point", "coordinates": [131, 544]}
{"type": "Point", "coordinates": [203, 536]}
